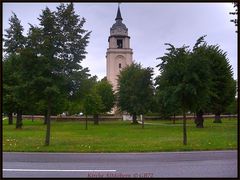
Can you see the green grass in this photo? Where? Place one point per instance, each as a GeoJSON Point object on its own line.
{"type": "Point", "coordinates": [119, 136]}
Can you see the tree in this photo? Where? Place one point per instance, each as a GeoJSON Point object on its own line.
{"type": "Point", "coordinates": [52, 56]}
{"type": "Point", "coordinates": [232, 108]}
{"type": "Point", "coordinates": [83, 84]}
{"type": "Point", "coordinates": [52, 80]}
{"type": "Point", "coordinates": [72, 38]}
{"type": "Point", "coordinates": [203, 69]}
{"type": "Point", "coordinates": [64, 43]}
{"type": "Point", "coordinates": [9, 82]}
{"type": "Point", "coordinates": [105, 91]}
{"type": "Point", "coordinates": [135, 90]}
{"type": "Point", "coordinates": [223, 85]}
{"type": "Point", "coordinates": [14, 42]}
{"type": "Point", "coordinates": [181, 82]}
{"type": "Point", "coordinates": [13, 88]}
{"type": "Point", "coordinates": [164, 105]}
{"type": "Point", "coordinates": [92, 104]}
{"type": "Point", "coordinates": [42, 43]}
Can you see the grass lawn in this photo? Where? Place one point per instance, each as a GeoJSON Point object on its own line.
{"type": "Point", "coordinates": [119, 136]}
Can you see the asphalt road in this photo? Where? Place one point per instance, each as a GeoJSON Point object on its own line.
{"type": "Point", "coordinates": [162, 164]}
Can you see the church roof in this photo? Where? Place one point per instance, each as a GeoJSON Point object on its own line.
{"type": "Point", "coordinates": [118, 17]}
{"type": "Point", "coordinates": [118, 22]}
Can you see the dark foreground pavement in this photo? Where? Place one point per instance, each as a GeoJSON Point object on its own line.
{"type": "Point", "coordinates": [162, 164]}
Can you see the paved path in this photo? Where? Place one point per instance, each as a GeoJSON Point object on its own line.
{"type": "Point", "coordinates": [162, 164]}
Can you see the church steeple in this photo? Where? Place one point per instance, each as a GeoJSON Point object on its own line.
{"type": "Point", "coordinates": [118, 17]}
{"type": "Point", "coordinates": [118, 28]}
{"type": "Point", "coordinates": [119, 54]}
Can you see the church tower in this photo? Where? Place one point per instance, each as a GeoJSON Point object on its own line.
{"type": "Point", "coordinates": [119, 53]}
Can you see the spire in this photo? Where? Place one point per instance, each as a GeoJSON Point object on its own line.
{"type": "Point", "coordinates": [119, 17]}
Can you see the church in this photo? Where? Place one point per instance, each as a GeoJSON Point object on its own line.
{"type": "Point", "coordinates": [119, 54]}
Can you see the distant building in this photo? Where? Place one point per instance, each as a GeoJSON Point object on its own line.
{"type": "Point", "coordinates": [119, 54]}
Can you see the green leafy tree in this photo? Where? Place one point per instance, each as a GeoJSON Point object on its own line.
{"type": "Point", "coordinates": [83, 86]}
{"type": "Point", "coordinates": [63, 46]}
{"type": "Point", "coordinates": [19, 71]}
{"type": "Point", "coordinates": [104, 90]}
{"type": "Point", "coordinates": [92, 104]}
{"type": "Point", "coordinates": [165, 104]}
{"type": "Point", "coordinates": [34, 40]}
{"type": "Point", "coordinates": [72, 39]}
{"type": "Point", "coordinates": [51, 78]}
{"type": "Point", "coordinates": [42, 43]}
{"type": "Point", "coordinates": [231, 108]}
{"type": "Point", "coordinates": [135, 90]}
{"type": "Point", "coordinates": [9, 84]}
{"type": "Point", "coordinates": [14, 42]}
{"type": "Point", "coordinates": [203, 82]}
{"type": "Point", "coordinates": [182, 81]}
{"type": "Point", "coordinates": [223, 85]}
{"type": "Point", "coordinates": [52, 56]}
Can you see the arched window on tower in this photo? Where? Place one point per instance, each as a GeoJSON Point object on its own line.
{"type": "Point", "coordinates": [120, 65]}
{"type": "Point", "coordinates": [119, 43]}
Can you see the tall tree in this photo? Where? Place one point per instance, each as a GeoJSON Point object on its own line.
{"type": "Point", "coordinates": [92, 104]}
{"type": "Point", "coordinates": [34, 40]}
{"type": "Point", "coordinates": [51, 78]}
{"type": "Point", "coordinates": [14, 40]}
{"type": "Point", "coordinates": [223, 85]}
{"type": "Point", "coordinates": [202, 69]}
{"type": "Point", "coordinates": [181, 82]}
{"type": "Point", "coordinates": [72, 38]}
{"type": "Point", "coordinates": [15, 90]}
{"type": "Point", "coordinates": [83, 85]}
{"type": "Point", "coordinates": [52, 55]}
{"type": "Point", "coordinates": [135, 90]}
{"type": "Point", "coordinates": [63, 47]}
{"type": "Point", "coordinates": [104, 89]}
{"type": "Point", "coordinates": [165, 103]}
{"type": "Point", "coordinates": [9, 83]}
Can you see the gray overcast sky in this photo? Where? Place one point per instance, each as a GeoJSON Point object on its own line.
{"type": "Point", "coordinates": [150, 25]}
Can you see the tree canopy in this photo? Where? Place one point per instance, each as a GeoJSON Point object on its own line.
{"type": "Point", "coordinates": [135, 90]}
{"type": "Point", "coordinates": [47, 64]}
{"type": "Point", "coordinates": [198, 80]}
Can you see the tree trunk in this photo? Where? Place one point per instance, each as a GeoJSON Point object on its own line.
{"type": "Point", "coordinates": [96, 119]}
{"type": "Point", "coordinates": [47, 140]}
{"type": "Point", "coordinates": [134, 119]}
{"type": "Point", "coordinates": [10, 118]}
{"type": "Point", "coordinates": [19, 119]}
{"type": "Point", "coordinates": [45, 118]}
{"type": "Point", "coordinates": [217, 118]}
{"type": "Point", "coordinates": [184, 129]}
{"type": "Point", "coordinates": [174, 118]}
{"type": "Point", "coordinates": [142, 121]}
{"type": "Point", "coordinates": [86, 123]}
{"type": "Point", "coordinates": [199, 119]}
